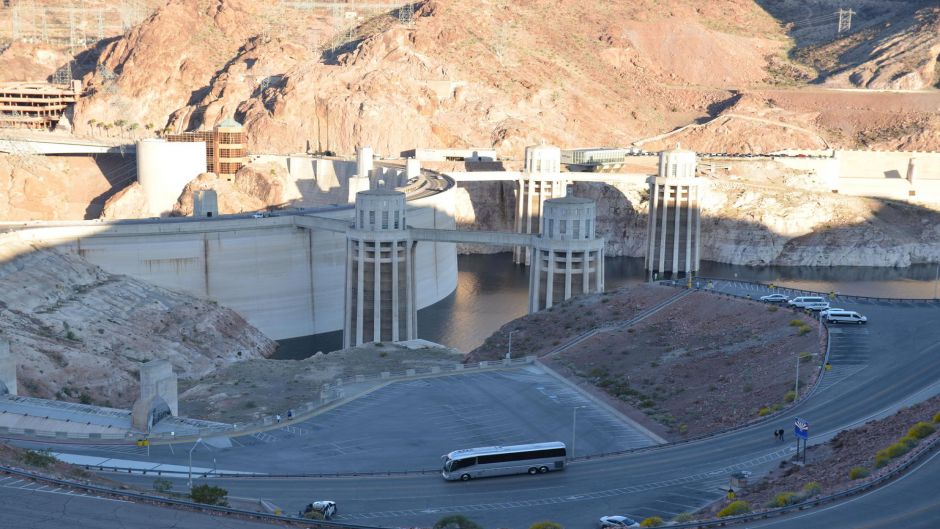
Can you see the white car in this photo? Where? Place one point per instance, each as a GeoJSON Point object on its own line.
{"type": "Point", "coordinates": [774, 298]}
{"type": "Point", "coordinates": [618, 521]}
{"type": "Point", "coordinates": [325, 507]}
{"type": "Point", "coordinates": [257, 215]}
{"type": "Point", "coordinates": [830, 309]}
{"type": "Point", "coordinates": [817, 306]}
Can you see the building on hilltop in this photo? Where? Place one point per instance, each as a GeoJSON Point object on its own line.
{"type": "Point", "coordinates": [225, 147]}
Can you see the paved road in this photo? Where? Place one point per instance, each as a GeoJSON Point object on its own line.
{"type": "Point", "coordinates": [894, 361]}
{"type": "Point", "coordinates": [27, 505]}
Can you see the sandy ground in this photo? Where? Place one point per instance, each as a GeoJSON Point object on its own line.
{"type": "Point", "coordinates": [251, 389]}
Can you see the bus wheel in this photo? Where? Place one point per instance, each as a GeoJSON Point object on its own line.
{"type": "Point", "coordinates": [465, 477]}
{"type": "Point", "coordinates": [533, 471]}
{"type": "Point", "coordinates": [543, 470]}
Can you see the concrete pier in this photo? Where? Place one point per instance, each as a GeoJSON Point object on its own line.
{"type": "Point", "coordinates": [674, 232]}
{"type": "Point", "coordinates": [380, 272]}
{"type": "Point", "coordinates": [567, 257]}
{"type": "Point", "coordinates": [158, 395]}
{"type": "Point", "coordinates": [7, 370]}
{"type": "Point", "coordinates": [541, 180]}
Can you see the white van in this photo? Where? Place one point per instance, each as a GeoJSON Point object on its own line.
{"type": "Point", "coordinates": [845, 316]}
{"type": "Point", "coordinates": [802, 301]}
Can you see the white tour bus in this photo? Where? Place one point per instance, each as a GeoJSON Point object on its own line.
{"type": "Point", "coordinates": [488, 461]}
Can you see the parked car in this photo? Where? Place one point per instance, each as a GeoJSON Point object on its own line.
{"type": "Point", "coordinates": [802, 301]}
{"type": "Point", "coordinates": [774, 298]}
{"type": "Point", "coordinates": [257, 215]}
{"type": "Point", "coordinates": [816, 306]}
{"type": "Point", "coordinates": [618, 521]}
{"type": "Point", "coordinates": [844, 316]}
{"type": "Point", "coordinates": [830, 309]}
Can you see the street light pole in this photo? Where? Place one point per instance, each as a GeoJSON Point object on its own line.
{"type": "Point", "coordinates": [574, 425]}
{"type": "Point", "coordinates": [509, 352]}
{"type": "Point", "coordinates": [199, 440]}
{"type": "Point", "coordinates": [796, 388]}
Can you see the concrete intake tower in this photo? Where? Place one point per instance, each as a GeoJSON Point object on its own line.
{"type": "Point", "coordinates": [674, 222]}
{"type": "Point", "coordinates": [567, 258]}
{"type": "Point", "coordinates": [380, 272]}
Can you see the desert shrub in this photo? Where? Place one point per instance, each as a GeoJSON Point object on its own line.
{"type": "Point", "coordinates": [38, 458]}
{"type": "Point", "coordinates": [735, 508]}
{"type": "Point", "coordinates": [789, 396]}
{"type": "Point", "coordinates": [763, 411]}
{"type": "Point", "coordinates": [772, 308]}
{"type": "Point", "coordinates": [909, 440]}
{"type": "Point", "coordinates": [805, 356]}
{"type": "Point", "coordinates": [546, 525]}
{"type": "Point", "coordinates": [162, 485]}
{"type": "Point", "coordinates": [921, 430]}
{"type": "Point", "coordinates": [652, 521]}
{"type": "Point", "coordinates": [898, 449]}
{"type": "Point", "coordinates": [209, 495]}
{"type": "Point", "coordinates": [456, 521]}
{"type": "Point", "coordinates": [811, 489]}
{"type": "Point", "coordinates": [882, 458]}
{"type": "Point", "coordinates": [314, 514]}
{"type": "Point", "coordinates": [682, 517]}
{"type": "Point", "coordinates": [783, 499]}
{"type": "Point", "coordinates": [797, 323]}
{"type": "Point", "coordinates": [801, 332]}
{"type": "Point", "coordinates": [858, 473]}
{"type": "Point", "coordinates": [936, 418]}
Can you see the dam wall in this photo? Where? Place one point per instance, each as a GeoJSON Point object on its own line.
{"type": "Point", "coordinates": [286, 280]}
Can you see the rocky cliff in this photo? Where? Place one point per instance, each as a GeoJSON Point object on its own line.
{"type": "Point", "coordinates": [777, 219]}
{"type": "Point", "coordinates": [78, 332]}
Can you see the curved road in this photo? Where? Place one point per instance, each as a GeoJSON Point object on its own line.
{"type": "Point", "coordinates": [892, 362]}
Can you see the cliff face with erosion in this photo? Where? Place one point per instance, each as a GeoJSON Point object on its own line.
{"type": "Point", "coordinates": [752, 221]}
{"type": "Point", "coordinates": [78, 332]}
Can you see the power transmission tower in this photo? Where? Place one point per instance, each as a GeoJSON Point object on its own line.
{"type": "Point", "coordinates": [406, 14]}
{"type": "Point", "coordinates": [845, 20]}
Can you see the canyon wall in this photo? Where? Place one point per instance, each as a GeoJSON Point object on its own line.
{"type": "Point", "coordinates": [782, 223]}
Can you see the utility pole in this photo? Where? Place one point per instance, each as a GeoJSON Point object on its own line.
{"type": "Point", "coordinates": [845, 20]}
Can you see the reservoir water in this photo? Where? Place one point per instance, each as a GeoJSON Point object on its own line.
{"type": "Point", "coordinates": [492, 291]}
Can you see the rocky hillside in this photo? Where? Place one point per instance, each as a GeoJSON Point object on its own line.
{"type": "Point", "coordinates": [572, 73]}
{"type": "Point", "coordinates": [81, 333]}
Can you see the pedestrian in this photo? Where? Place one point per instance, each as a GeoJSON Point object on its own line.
{"type": "Point", "coordinates": [278, 417]}
{"type": "Point", "coordinates": [290, 414]}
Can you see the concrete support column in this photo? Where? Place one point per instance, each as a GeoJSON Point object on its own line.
{"type": "Point", "coordinates": [7, 370]}
{"type": "Point", "coordinates": [550, 280]}
{"type": "Point", "coordinates": [535, 280]}
{"type": "Point", "coordinates": [665, 228]}
{"type": "Point", "coordinates": [395, 255]}
{"type": "Point", "coordinates": [568, 266]}
{"type": "Point", "coordinates": [360, 287]}
{"type": "Point", "coordinates": [412, 168]}
{"type": "Point", "coordinates": [377, 293]}
{"type": "Point", "coordinates": [351, 283]}
{"type": "Point", "coordinates": [364, 162]}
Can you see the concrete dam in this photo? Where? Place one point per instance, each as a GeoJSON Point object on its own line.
{"type": "Point", "coordinates": [283, 274]}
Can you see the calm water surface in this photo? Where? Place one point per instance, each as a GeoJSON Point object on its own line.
{"type": "Point", "coordinates": [491, 291]}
